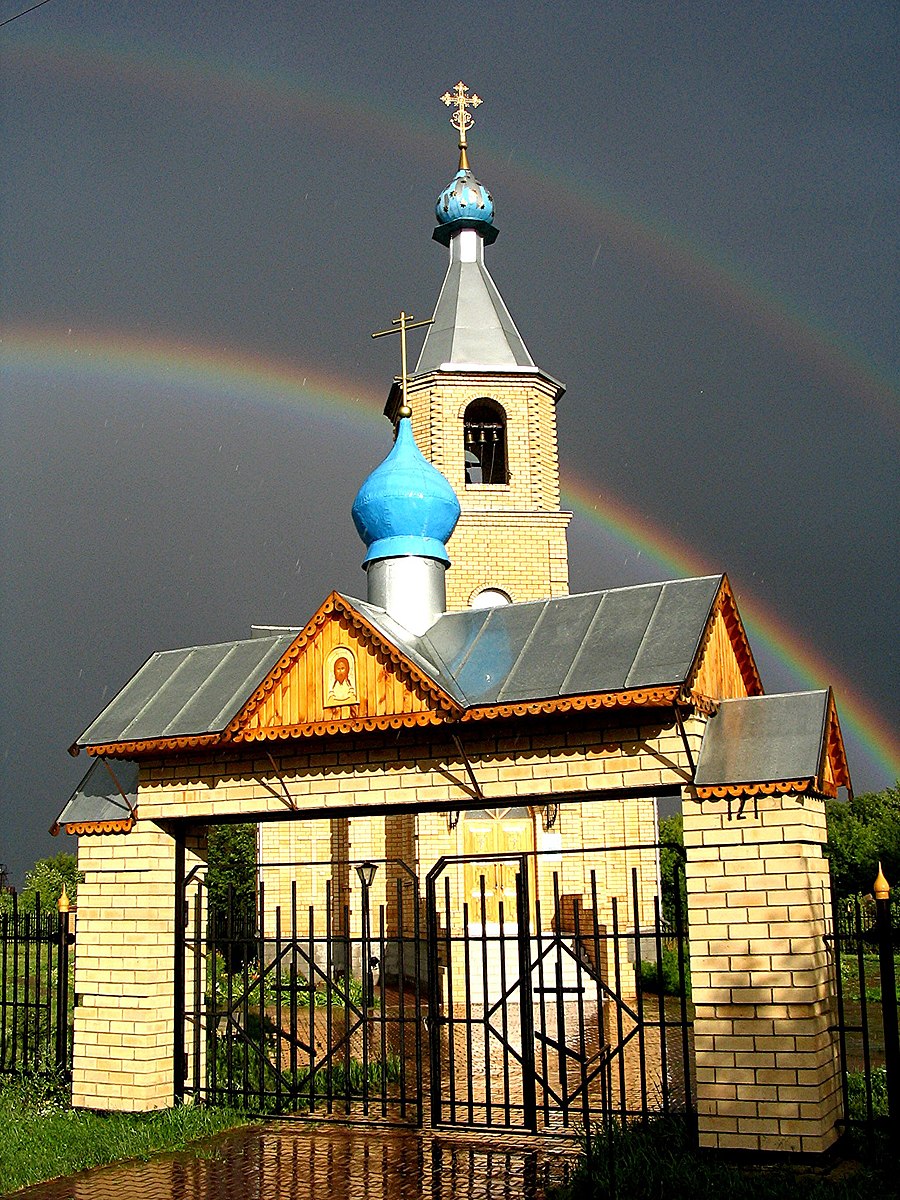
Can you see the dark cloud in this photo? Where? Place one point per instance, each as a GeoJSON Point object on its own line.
{"type": "Point", "coordinates": [695, 209]}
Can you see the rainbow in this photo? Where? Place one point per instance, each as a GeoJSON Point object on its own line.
{"type": "Point", "coordinates": [279, 95]}
{"type": "Point", "coordinates": [247, 378]}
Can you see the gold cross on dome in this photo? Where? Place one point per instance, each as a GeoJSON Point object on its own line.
{"type": "Point", "coordinates": [461, 119]}
{"type": "Point", "coordinates": [400, 325]}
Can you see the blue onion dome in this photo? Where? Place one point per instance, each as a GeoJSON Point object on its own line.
{"type": "Point", "coordinates": [465, 198]}
{"type": "Point", "coordinates": [406, 506]}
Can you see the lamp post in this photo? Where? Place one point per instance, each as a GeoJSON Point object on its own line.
{"type": "Point", "coordinates": [366, 872]}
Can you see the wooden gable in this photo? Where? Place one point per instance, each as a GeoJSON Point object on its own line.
{"type": "Point", "coordinates": [724, 668]}
{"type": "Point", "coordinates": [340, 676]}
{"type": "Point", "coordinates": [834, 772]}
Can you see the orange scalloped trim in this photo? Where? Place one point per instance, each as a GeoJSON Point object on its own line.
{"type": "Point", "coordinates": [407, 669]}
{"type": "Point", "coordinates": [130, 749]}
{"type": "Point", "coordinates": [348, 725]}
{"type": "Point", "coordinates": [737, 790]}
{"type": "Point", "coordinates": [81, 828]}
{"type": "Point", "coordinates": [638, 698]}
{"type": "Point", "coordinates": [704, 704]}
{"type": "Point", "coordinates": [835, 751]}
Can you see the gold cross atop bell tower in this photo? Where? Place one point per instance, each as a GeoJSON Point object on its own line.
{"type": "Point", "coordinates": [483, 412]}
{"type": "Point", "coordinates": [461, 119]}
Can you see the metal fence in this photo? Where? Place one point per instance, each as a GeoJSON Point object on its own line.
{"type": "Point", "coordinates": [35, 990]}
{"type": "Point", "coordinates": [866, 945]}
{"type": "Point", "coordinates": [432, 1008]}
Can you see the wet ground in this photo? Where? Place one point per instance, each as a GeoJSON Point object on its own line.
{"type": "Point", "coordinates": [284, 1160]}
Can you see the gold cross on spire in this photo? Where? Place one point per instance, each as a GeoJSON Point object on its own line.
{"type": "Point", "coordinates": [461, 119]}
{"type": "Point", "coordinates": [400, 325]}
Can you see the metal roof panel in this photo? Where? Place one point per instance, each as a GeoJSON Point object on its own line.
{"type": "Point", "coordinates": [673, 633]}
{"type": "Point", "coordinates": [547, 658]}
{"type": "Point", "coordinates": [496, 650]}
{"type": "Point", "coordinates": [607, 652]}
{"type": "Point", "coordinates": [764, 739]}
{"type": "Point", "coordinates": [187, 692]}
{"type": "Point", "coordinates": [96, 798]}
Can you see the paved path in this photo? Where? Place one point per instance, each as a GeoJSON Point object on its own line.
{"type": "Point", "coordinates": [284, 1160]}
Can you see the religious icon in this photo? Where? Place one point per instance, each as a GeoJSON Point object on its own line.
{"type": "Point", "coordinates": [340, 678]}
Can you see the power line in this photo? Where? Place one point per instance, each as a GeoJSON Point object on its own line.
{"type": "Point", "coordinates": [24, 12]}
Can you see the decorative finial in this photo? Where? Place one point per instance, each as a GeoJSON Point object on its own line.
{"type": "Point", "coordinates": [400, 325]}
{"type": "Point", "coordinates": [881, 888]}
{"type": "Point", "coordinates": [462, 120]}
{"type": "Point", "coordinates": [64, 903]}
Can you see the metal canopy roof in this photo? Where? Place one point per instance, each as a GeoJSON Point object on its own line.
{"type": "Point", "coordinates": [97, 798]}
{"type": "Point", "coordinates": [764, 739]}
{"type": "Point", "coordinates": [627, 638]}
{"type": "Point", "coordinates": [183, 693]}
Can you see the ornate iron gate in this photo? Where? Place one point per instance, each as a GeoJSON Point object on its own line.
{"type": "Point", "coordinates": [311, 1009]}
{"type": "Point", "coordinates": [865, 942]}
{"type": "Point", "coordinates": [545, 1018]}
{"type": "Point", "coordinates": [426, 1008]}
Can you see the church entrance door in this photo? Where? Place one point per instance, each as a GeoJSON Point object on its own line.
{"type": "Point", "coordinates": [486, 834]}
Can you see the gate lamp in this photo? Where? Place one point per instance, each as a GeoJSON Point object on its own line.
{"type": "Point", "coordinates": [366, 872]}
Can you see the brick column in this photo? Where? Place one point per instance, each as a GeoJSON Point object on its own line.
{"type": "Point", "coordinates": [767, 1069]}
{"type": "Point", "coordinates": [125, 971]}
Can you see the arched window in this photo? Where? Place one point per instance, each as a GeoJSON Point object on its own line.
{"type": "Point", "coordinates": [484, 423]}
{"type": "Point", "coordinates": [490, 597]}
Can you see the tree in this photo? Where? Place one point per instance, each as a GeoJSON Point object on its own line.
{"type": "Point", "coordinates": [232, 868]}
{"type": "Point", "coordinates": [46, 879]}
{"type": "Point", "coordinates": [671, 869]}
{"type": "Point", "coordinates": [861, 833]}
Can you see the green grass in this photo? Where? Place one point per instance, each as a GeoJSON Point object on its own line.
{"type": "Point", "coordinates": [658, 1161]}
{"type": "Point", "coordinates": [42, 1137]}
{"type": "Point", "coordinates": [852, 986]}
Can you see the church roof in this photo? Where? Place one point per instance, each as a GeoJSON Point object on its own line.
{"type": "Point", "coordinates": [186, 693]}
{"type": "Point", "coordinates": [621, 640]}
{"type": "Point", "coordinates": [611, 641]}
{"type": "Point", "coordinates": [472, 327]}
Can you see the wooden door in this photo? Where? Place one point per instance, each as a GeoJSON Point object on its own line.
{"type": "Point", "coordinates": [487, 833]}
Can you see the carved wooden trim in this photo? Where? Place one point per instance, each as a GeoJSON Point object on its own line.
{"type": "Point", "coordinates": [834, 748]}
{"type": "Point", "coordinates": [335, 604]}
{"type": "Point", "coordinates": [152, 746]}
{"type": "Point", "coordinates": [736, 790]}
{"type": "Point", "coordinates": [726, 604]}
{"type": "Point", "coordinates": [637, 698]}
{"type": "Point", "coordinates": [83, 828]}
{"type": "Point", "coordinates": [347, 725]}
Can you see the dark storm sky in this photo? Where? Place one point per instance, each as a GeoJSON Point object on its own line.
{"type": "Point", "coordinates": [698, 211]}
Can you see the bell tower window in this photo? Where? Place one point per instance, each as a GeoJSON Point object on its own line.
{"type": "Point", "coordinates": [484, 424]}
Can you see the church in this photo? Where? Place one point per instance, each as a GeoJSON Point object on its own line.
{"type": "Point", "coordinates": [466, 710]}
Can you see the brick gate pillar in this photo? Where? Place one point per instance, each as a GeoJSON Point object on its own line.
{"type": "Point", "coordinates": [767, 1067]}
{"type": "Point", "coordinates": [125, 971]}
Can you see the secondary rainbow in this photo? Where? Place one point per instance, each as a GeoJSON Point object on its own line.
{"type": "Point", "coordinates": [279, 94]}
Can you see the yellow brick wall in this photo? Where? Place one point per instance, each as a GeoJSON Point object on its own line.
{"type": "Point", "coordinates": [768, 1075]}
{"type": "Point", "coordinates": [510, 767]}
{"type": "Point", "coordinates": [524, 554]}
{"type": "Point", "coordinates": [419, 767]}
{"type": "Point", "coordinates": [125, 971]}
{"type": "Point", "coordinates": [509, 536]}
